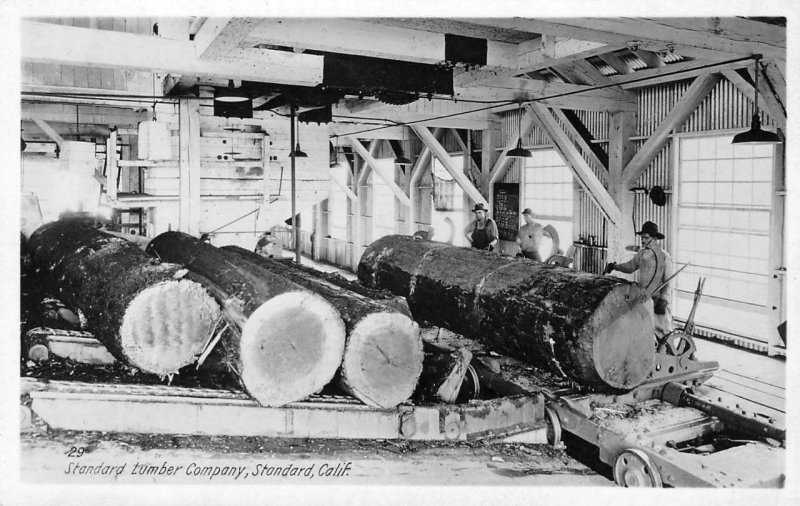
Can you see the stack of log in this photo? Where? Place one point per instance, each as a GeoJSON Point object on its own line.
{"type": "Point", "coordinates": [146, 313]}
{"type": "Point", "coordinates": [596, 330]}
{"type": "Point", "coordinates": [383, 354]}
{"type": "Point", "coordinates": [288, 342]}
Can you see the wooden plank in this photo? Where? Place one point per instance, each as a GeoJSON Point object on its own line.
{"type": "Point", "coordinates": [580, 169]}
{"type": "Point", "coordinates": [771, 101]}
{"type": "Point", "coordinates": [219, 36]}
{"type": "Point", "coordinates": [49, 43]}
{"type": "Point", "coordinates": [112, 170]}
{"type": "Point", "coordinates": [457, 172]}
{"type": "Point", "coordinates": [352, 36]}
{"type": "Point", "coordinates": [189, 164]}
{"type": "Point", "coordinates": [49, 131]}
{"type": "Point", "coordinates": [696, 93]}
{"type": "Point", "coordinates": [386, 178]}
{"type": "Point", "coordinates": [537, 55]}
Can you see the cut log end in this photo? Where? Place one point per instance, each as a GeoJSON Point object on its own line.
{"type": "Point", "coordinates": [166, 325]}
{"type": "Point", "coordinates": [623, 347]}
{"type": "Point", "coordinates": [383, 359]}
{"type": "Point", "coordinates": [291, 347]}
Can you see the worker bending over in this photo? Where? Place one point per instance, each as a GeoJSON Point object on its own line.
{"type": "Point", "coordinates": [654, 266]}
{"type": "Point", "coordinates": [482, 231]}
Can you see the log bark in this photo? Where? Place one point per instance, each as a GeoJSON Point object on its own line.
{"type": "Point", "coordinates": [141, 310]}
{"type": "Point", "coordinates": [443, 371]}
{"type": "Point", "coordinates": [292, 341]}
{"type": "Point", "coordinates": [384, 297]}
{"type": "Point", "coordinates": [595, 330]}
{"type": "Point", "coordinates": [383, 353]}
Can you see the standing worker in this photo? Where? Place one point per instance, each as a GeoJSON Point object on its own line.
{"type": "Point", "coordinates": [529, 237]}
{"type": "Point", "coordinates": [655, 267]}
{"type": "Point", "coordinates": [482, 231]}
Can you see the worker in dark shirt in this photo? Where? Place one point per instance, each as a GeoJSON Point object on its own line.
{"type": "Point", "coordinates": [482, 231]}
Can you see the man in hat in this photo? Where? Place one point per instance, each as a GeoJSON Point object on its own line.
{"type": "Point", "coordinates": [482, 231]}
{"type": "Point", "coordinates": [654, 266]}
{"type": "Point", "coordinates": [529, 237]}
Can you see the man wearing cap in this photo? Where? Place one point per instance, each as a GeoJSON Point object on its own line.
{"type": "Point", "coordinates": [529, 237]}
{"type": "Point", "coordinates": [482, 231]}
{"type": "Point", "coordinates": [654, 266]}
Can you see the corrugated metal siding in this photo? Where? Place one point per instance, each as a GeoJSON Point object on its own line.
{"type": "Point", "coordinates": [596, 122]}
{"type": "Point", "coordinates": [658, 174]}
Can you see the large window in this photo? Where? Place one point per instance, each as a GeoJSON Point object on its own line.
{"type": "Point", "coordinates": [724, 212]}
{"type": "Point", "coordinates": [547, 189]}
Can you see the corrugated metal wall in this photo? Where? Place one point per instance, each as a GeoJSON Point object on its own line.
{"type": "Point", "coordinates": [725, 108]}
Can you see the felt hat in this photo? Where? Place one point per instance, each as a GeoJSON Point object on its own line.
{"type": "Point", "coordinates": [479, 207]}
{"type": "Point", "coordinates": [650, 229]}
{"type": "Point", "coordinates": [527, 211]}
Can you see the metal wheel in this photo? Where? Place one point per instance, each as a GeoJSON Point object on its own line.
{"type": "Point", "coordinates": [633, 468]}
{"type": "Point", "coordinates": [553, 428]}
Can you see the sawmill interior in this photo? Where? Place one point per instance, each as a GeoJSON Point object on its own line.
{"type": "Point", "coordinates": [508, 251]}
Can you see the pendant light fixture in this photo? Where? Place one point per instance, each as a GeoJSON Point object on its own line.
{"type": "Point", "coordinates": [298, 153]}
{"type": "Point", "coordinates": [519, 151]}
{"type": "Point", "coordinates": [755, 135]}
{"type": "Point", "coordinates": [402, 160]}
{"type": "Point", "coordinates": [230, 94]}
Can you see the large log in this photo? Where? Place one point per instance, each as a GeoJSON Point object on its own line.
{"type": "Point", "coordinates": [596, 330]}
{"type": "Point", "coordinates": [384, 297]}
{"type": "Point", "coordinates": [383, 353]}
{"type": "Point", "coordinates": [143, 311]}
{"type": "Point", "coordinates": [292, 342]}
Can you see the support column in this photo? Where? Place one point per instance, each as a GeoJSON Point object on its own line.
{"type": "Point", "coordinates": [620, 151]}
{"type": "Point", "coordinates": [490, 139]}
{"type": "Point", "coordinates": [189, 167]}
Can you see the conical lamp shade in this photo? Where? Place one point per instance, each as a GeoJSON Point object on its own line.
{"type": "Point", "coordinates": [755, 135]}
{"type": "Point", "coordinates": [519, 151]}
{"type": "Point", "coordinates": [299, 153]}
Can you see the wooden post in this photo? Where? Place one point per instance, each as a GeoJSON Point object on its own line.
{"type": "Point", "coordinates": [620, 151]}
{"type": "Point", "coordinates": [189, 166]}
{"type": "Point", "coordinates": [111, 166]}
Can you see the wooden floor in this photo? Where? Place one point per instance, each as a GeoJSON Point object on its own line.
{"type": "Point", "coordinates": [753, 381]}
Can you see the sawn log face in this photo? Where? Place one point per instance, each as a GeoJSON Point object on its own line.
{"type": "Point", "coordinates": [596, 330]}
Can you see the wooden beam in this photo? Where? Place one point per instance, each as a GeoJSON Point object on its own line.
{"type": "Point", "coordinates": [650, 58]}
{"type": "Point", "coordinates": [580, 169]}
{"type": "Point", "coordinates": [218, 37]}
{"type": "Point", "coordinates": [622, 128]}
{"type": "Point", "coordinates": [551, 93]}
{"type": "Point", "coordinates": [376, 169]}
{"type": "Point", "coordinates": [616, 63]}
{"type": "Point", "coordinates": [49, 43]}
{"type": "Point", "coordinates": [189, 167]}
{"type": "Point", "coordinates": [394, 133]}
{"type": "Point", "coordinates": [346, 189]}
{"type": "Point", "coordinates": [696, 93]}
{"type": "Point", "coordinates": [672, 72]}
{"type": "Point", "coordinates": [709, 37]}
{"type": "Point", "coordinates": [582, 143]}
{"type": "Point", "coordinates": [112, 170]}
{"type": "Point", "coordinates": [775, 76]}
{"type": "Point", "coordinates": [746, 86]}
{"type": "Point", "coordinates": [589, 73]}
{"type": "Point", "coordinates": [457, 172]}
{"type": "Point", "coordinates": [567, 73]}
{"type": "Point", "coordinates": [422, 163]}
{"type": "Point", "coordinates": [49, 131]}
{"type": "Point", "coordinates": [362, 176]}
{"type": "Point", "coordinates": [435, 113]}
{"type": "Point", "coordinates": [770, 99]}
{"type": "Point", "coordinates": [350, 36]}
{"type": "Point", "coordinates": [548, 51]}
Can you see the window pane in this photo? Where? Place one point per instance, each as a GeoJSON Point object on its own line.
{"type": "Point", "coordinates": [725, 170]}
{"type": "Point", "coordinates": [705, 170]}
{"type": "Point", "coordinates": [707, 148]}
{"type": "Point", "coordinates": [689, 171]}
{"type": "Point", "coordinates": [689, 149]}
